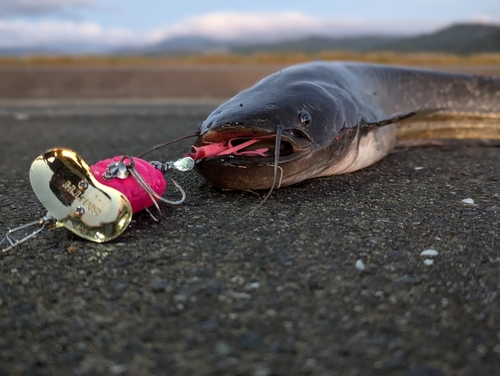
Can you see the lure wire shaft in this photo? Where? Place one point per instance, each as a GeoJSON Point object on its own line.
{"type": "Point", "coordinates": [42, 223]}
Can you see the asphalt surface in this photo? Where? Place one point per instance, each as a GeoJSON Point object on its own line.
{"type": "Point", "coordinates": [278, 292]}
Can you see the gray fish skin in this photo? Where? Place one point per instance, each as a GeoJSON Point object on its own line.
{"type": "Point", "coordinates": [344, 101]}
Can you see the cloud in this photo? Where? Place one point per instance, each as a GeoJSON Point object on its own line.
{"type": "Point", "coordinates": [37, 7]}
{"type": "Point", "coordinates": [62, 35]}
{"type": "Point", "coordinates": [88, 36]}
{"type": "Point", "coordinates": [271, 26]}
{"type": "Point", "coordinates": [229, 25]}
{"type": "Point", "coordinates": [483, 18]}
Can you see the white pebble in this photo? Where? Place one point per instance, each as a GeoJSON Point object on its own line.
{"type": "Point", "coordinates": [21, 116]}
{"type": "Point", "coordinates": [360, 265]}
{"type": "Point", "coordinates": [429, 253]}
{"type": "Point", "coordinates": [428, 262]}
{"type": "Point", "coordinates": [418, 168]}
{"type": "Point", "coordinates": [468, 201]}
{"type": "Point", "coordinates": [254, 285]}
{"type": "Point", "coordinates": [118, 369]}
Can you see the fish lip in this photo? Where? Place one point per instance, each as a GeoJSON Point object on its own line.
{"type": "Point", "coordinates": [227, 132]}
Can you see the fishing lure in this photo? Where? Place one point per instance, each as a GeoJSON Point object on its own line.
{"type": "Point", "coordinates": [233, 147]}
{"type": "Point", "coordinates": [96, 202]}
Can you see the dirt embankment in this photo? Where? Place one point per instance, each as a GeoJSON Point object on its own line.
{"type": "Point", "coordinates": [219, 82]}
{"type": "Point", "coordinates": [88, 83]}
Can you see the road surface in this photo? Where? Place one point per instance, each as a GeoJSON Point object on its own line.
{"type": "Point", "coordinates": [280, 292]}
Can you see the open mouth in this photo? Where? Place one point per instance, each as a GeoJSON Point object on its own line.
{"type": "Point", "coordinates": [241, 145]}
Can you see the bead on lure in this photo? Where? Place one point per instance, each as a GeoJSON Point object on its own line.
{"type": "Point", "coordinates": [97, 202]}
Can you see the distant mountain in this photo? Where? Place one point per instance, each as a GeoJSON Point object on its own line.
{"type": "Point", "coordinates": [317, 44]}
{"type": "Point", "coordinates": [26, 51]}
{"type": "Point", "coordinates": [456, 39]}
{"type": "Point", "coordinates": [188, 44]}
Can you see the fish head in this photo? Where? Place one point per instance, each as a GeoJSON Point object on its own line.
{"type": "Point", "coordinates": [309, 118]}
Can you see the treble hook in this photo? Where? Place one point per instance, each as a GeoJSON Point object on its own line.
{"type": "Point", "coordinates": [137, 176]}
{"type": "Point", "coordinates": [126, 167]}
{"type": "Point", "coordinates": [151, 193]}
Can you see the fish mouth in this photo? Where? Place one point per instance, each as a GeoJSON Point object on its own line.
{"type": "Point", "coordinates": [249, 143]}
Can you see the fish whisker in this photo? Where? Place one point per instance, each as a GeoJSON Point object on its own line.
{"type": "Point", "coordinates": [195, 134]}
{"type": "Point", "coordinates": [281, 177]}
{"type": "Point", "coordinates": [279, 132]}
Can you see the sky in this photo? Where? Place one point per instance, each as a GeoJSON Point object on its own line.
{"type": "Point", "coordinates": [94, 25]}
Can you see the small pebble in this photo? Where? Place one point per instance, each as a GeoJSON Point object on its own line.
{"type": "Point", "coordinates": [250, 341]}
{"type": "Point", "coordinates": [429, 253]}
{"type": "Point", "coordinates": [71, 249]}
{"type": "Point", "coordinates": [261, 370]}
{"type": "Point", "coordinates": [468, 201]}
{"type": "Point", "coordinates": [118, 369]}
{"type": "Point", "coordinates": [160, 286]}
{"type": "Point", "coordinates": [418, 168]}
{"type": "Point", "coordinates": [428, 262]}
{"type": "Point", "coordinates": [222, 348]}
{"type": "Point", "coordinates": [21, 116]}
{"type": "Point", "coordinates": [360, 265]}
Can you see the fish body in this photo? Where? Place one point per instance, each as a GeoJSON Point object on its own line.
{"type": "Point", "coordinates": [336, 118]}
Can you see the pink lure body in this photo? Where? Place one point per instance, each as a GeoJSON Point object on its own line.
{"type": "Point", "coordinates": [226, 148]}
{"type": "Point", "coordinates": [130, 188]}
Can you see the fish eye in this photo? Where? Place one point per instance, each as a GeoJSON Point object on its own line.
{"type": "Point", "coordinates": [305, 118]}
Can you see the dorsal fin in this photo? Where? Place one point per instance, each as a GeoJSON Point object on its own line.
{"type": "Point", "coordinates": [400, 116]}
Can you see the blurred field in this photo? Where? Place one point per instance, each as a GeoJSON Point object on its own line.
{"type": "Point", "coordinates": [197, 78]}
{"type": "Point", "coordinates": [419, 59]}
